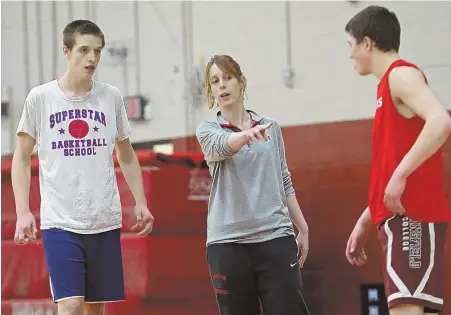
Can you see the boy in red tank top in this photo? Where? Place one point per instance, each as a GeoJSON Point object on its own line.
{"type": "Point", "coordinates": [406, 199]}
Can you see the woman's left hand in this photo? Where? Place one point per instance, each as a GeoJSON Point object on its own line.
{"type": "Point", "coordinates": [303, 247]}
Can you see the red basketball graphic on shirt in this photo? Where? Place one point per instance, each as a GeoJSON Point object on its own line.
{"type": "Point", "coordinates": [78, 128]}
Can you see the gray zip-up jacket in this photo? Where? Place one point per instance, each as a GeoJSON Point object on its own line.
{"type": "Point", "coordinates": [248, 198]}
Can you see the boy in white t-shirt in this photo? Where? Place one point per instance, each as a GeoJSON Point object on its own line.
{"type": "Point", "coordinates": [77, 123]}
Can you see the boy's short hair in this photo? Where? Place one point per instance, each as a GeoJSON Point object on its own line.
{"type": "Point", "coordinates": [82, 27]}
{"type": "Point", "coordinates": [379, 24]}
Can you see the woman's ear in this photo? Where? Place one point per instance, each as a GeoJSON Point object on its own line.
{"type": "Point", "coordinates": [243, 83]}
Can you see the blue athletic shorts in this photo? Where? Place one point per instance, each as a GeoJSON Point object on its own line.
{"type": "Point", "coordinates": [84, 265]}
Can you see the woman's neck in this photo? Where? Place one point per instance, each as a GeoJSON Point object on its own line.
{"type": "Point", "coordinates": [237, 115]}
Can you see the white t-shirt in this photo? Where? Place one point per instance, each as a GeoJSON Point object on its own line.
{"type": "Point", "coordinates": [75, 138]}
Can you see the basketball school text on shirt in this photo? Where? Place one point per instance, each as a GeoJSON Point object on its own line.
{"type": "Point", "coordinates": [77, 123]}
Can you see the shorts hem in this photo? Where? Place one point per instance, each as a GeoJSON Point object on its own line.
{"type": "Point", "coordinates": [107, 229]}
{"type": "Point", "coordinates": [415, 301]}
{"type": "Point", "coordinates": [69, 298]}
{"type": "Point", "coordinates": [109, 301]}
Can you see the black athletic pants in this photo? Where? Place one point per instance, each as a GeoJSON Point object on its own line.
{"type": "Point", "coordinates": [245, 274]}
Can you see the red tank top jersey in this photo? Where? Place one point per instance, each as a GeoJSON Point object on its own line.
{"type": "Point", "coordinates": [393, 136]}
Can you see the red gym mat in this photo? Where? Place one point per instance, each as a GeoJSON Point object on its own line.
{"type": "Point", "coordinates": [126, 195]}
{"type": "Point", "coordinates": [28, 307]}
{"type": "Point", "coordinates": [176, 267]}
{"type": "Point", "coordinates": [24, 271]}
{"type": "Point", "coordinates": [180, 190]}
{"type": "Point", "coordinates": [8, 226]}
{"type": "Point", "coordinates": [135, 307]}
{"type": "Point", "coordinates": [8, 203]}
{"type": "Point", "coordinates": [164, 307]}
